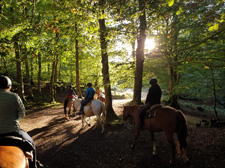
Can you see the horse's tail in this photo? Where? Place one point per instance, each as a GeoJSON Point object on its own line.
{"type": "Point", "coordinates": [103, 111]}
{"type": "Point", "coordinates": [181, 130]}
{"type": "Point", "coordinates": [65, 105]}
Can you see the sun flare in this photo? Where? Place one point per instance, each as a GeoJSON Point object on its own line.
{"type": "Point", "coordinates": [149, 44]}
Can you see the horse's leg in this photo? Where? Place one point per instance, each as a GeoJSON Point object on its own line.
{"type": "Point", "coordinates": [82, 120]}
{"type": "Point", "coordinates": [102, 124]}
{"type": "Point", "coordinates": [136, 135]}
{"type": "Point", "coordinates": [169, 137]}
{"type": "Point", "coordinates": [154, 150]}
{"type": "Point", "coordinates": [182, 153]}
{"type": "Point", "coordinates": [96, 123]}
{"type": "Point", "coordinates": [86, 121]}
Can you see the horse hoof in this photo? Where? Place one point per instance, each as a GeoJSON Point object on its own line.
{"type": "Point", "coordinates": [132, 146]}
{"type": "Point", "coordinates": [187, 161]}
{"type": "Point", "coordinates": [172, 162]}
{"type": "Point", "coordinates": [154, 153]}
{"type": "Point", "coordinates": [67, 118]}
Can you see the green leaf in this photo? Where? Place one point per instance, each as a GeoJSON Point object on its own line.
{"type": "Point", "coordinates": [170, 2]}
{"type": "Point", "coordinates": [214, 27]}
{"type": "Point", "coordinates": [179, 11]}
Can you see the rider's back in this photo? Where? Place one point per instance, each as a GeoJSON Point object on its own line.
{"type": "Point", "coordinates": [10, 113]}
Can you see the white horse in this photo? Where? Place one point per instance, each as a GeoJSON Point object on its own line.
{"type": "Point", "coordinates": [96, 107]}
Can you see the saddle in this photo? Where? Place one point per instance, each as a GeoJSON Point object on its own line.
{"type": "Point", "coordinates": [152, 112]}
{"type": "Point", "coordinates": [24, 145]}
{"type": "Point", "coordinates": [89, 104]}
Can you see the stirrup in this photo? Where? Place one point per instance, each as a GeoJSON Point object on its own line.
{"type": "Point", "coordinates": [80, 112]}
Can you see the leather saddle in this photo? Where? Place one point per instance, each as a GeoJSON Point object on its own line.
{"type": "Point", "coordinates": [24, 145]}
{"type": "Point", "coordinates": [152, 112]}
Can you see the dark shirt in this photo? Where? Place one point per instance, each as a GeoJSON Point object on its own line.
{"type": "Point", "coordinates": [154, 95]}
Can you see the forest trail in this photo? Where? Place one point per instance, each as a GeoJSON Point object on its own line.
{"type": "Point", "coordinates": [62, 144]}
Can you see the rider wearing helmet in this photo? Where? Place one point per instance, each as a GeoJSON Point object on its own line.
{"type": "Point", "coordinates": [12, 110]}
{"type": "Point", "coordinates": [89, 95]}
{"type": "Point", "coordinates": [154, 93]}
{"type": "Point", "coordinates": [153, 97]}
{"type": "Point", "coordinates": [71, 92]}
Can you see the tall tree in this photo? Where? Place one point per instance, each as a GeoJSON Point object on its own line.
{"type": "Point", "coordinates": [110, 115]}
{"type": "Point", "coordinates": [140, 54]}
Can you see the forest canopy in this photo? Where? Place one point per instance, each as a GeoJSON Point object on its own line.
{"type": "Point", "coordinates": [59, 42]}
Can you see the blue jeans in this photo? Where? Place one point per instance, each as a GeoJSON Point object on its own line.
{"type": "Point", "coordinates": [83, 103]}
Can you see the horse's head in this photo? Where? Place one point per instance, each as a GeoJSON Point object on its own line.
{"type": "Point", "coordinates": [125, 113]}
{"type": "Point", "coordinates": [77, 104]}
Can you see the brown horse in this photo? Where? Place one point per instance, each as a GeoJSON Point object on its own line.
{"type": "Point", "coordinates": [166, 119]}
{"type": "Point", "coordinates": [13, 157]}
{"type": "Point", "coordinates": [68, 103]}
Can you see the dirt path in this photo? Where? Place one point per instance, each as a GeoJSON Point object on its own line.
{"type": "Point", "coordinates": [62, 144]}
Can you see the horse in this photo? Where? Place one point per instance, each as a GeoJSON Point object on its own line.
{"type": "Point", "coordinates": [166, 119]}
{"type": "Point", "coordinates": [13, 157]}
{"type": "Point", "coordinates": [67, 104]}
{"type": "Point", "coordinates": [100, 97]}
{"type": "Point", "coordinates": [96, 107]}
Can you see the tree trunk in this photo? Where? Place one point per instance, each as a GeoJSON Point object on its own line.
{"type": "Point", "coordinates": [52, 82]}
{"type": "Point", "coordinates": [28, 79]}
{"type": "Point", "coordinates": [39, 73]}
{"type": "Point", "coordinates": [140, 55]}
{"type": "Point", "coordinates": [19, 71]}
{"type": "Point", "coordinates": [214, 93]}
{"type": "Point", "coordinates": [110, 115]}
{"type": "Point", "coordinates": [173, 62]}
{"type": "Point", "coordinates": [172, 83]}
{"type": "Point", "coordinates": [78, 90]}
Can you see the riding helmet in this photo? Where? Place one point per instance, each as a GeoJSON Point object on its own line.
{"type": "Point", "coordinates": [89, 84]}
{"type": "Point", "coordinates": [5, 82]}
{"type": "Point", "coordinates": [153, 81]}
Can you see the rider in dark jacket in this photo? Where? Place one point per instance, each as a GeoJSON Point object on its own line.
{"type": "Point", "coordinates": [153, 97]}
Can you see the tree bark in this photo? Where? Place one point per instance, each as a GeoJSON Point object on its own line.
{"type": "Point", "coordinates": [28, 79]}
{"type": "Point", "coordinates": [39, 73]}
{"type": "Point", "coordinates": [78, 90]}
{"type": "Point", "coordinates": [110, 115]}
{"type": "Point", "coordinates": [173, 61]}
{"type": "Point", "coordinates": [19, 71]}
{"type": "Point", "coordinates": [140, 55]}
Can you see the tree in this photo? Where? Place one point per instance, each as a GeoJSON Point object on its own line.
{"type": "Point", "coordinates": [140, 54]}
{"type": "Point", "coordinates": [110, 115]}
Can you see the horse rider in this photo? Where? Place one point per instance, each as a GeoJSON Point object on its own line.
{"type": "Point", "coordinates": [12, 110]}
{"type": "Point", "coordinates": [97, 91]}
{"type": "Point", "coordinates": [153, 97]}
{"type": "Point", "coordinates": [89, 95]}
{"type": "Point", "coordinates": [71, 93]}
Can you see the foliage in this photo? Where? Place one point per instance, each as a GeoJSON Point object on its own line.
{"type": "Point", "coordinates": [189, 36]}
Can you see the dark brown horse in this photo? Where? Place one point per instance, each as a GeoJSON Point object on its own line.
{"type": "Point", "coordinates": [13, 157]}
{"type": "Point", "coordinates": [166, 119]}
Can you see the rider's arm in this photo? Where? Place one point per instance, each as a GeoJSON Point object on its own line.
{"type": "Point", "coordinates": [87, 93]}
{"type": "Point", "coordinates": [20, 108]}
{"type": "Point", "coordinates": [74, 93]}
